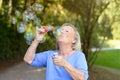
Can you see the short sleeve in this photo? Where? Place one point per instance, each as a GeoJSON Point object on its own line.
{"type": "Point", "coordinates": [82, 64]}
{"type": "Point", "coordinates": [40, 59]}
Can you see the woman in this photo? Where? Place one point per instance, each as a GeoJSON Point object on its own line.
{"type": "Point", "coordinates": [65, 63]}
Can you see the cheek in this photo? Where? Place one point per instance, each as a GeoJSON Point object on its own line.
{"type": "Point", "coordinates": [70, 37]}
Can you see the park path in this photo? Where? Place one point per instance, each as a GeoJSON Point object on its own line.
{"type": "Point", "coordinates": [23, 72]}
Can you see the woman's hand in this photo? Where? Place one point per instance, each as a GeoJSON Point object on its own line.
{"type": "Point", "coordinates": [59, 60]}
{"type": "Point", "coordinates": [40, 32]}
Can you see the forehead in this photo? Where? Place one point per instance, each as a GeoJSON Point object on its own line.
{"type": "Point", "coordinates": [68, 28]}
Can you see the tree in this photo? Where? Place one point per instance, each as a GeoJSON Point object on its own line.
{"type": "Point", "coordinates": [13, 44]}
{"type": "Point", "coordinates": [88, 14]}
{"type": "Point", "coordinates": [0, 4]}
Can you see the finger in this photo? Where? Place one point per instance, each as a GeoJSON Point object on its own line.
{"type": "Point", "coordinates": [40, 30]}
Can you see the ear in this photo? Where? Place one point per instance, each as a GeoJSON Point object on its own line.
{"type": "Point", "coordinates": [74, 42]}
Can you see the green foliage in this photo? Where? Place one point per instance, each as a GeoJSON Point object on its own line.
{"type": "Point", "coordinates": [12, 45]}
{"type": "Point", "coordinates": [109, 58]}
{"type": "Point", "coordinates": [94, 20]}
{"type": "Point", "coordinates": [116, 31]}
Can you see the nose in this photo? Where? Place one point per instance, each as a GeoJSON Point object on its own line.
{"type": "Point", "coordinates": [62, 30]}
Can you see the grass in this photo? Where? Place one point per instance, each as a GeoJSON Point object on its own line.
{"type": "Point", "coordinates": [109, 58]}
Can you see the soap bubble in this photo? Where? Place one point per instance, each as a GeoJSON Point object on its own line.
{"type": "Point", "coordinates": [13, 20]}
{"type": "Point", "coordinates": [26, 12]}
{"type": "Point", "coordinates": [30, 19]}
{"type": "Point", "coordinates": [31, 16]}
{"type": "Point", "coordinates": [37, 21]}
{"type": "Point", "coordinates": [30, 9]}
{"type": "Point", "coordinates": [21, 27]}
{"type": "Point", "coordinates": [56, 32]}
{"type": "Point", "coordinates": [42, 41]}
{"type": "Point", "coordinates": [38, 7]}
{"type": "Point", "coordinates": [28, 36]}
{"type": "Point", "coordinates": [29, 42]}
{"type": "Point", "coordinates": [17, 13]}
{"type": "Point", "coordinates": [49, 25]}
{"type": "Point", "coordinates": [26, 16]}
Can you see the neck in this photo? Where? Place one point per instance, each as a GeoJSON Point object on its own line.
{"type": "Point", "coordinates": [65, 50]}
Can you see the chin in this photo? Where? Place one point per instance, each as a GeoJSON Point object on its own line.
{"type": "Point", "coordinates": [59, 40]}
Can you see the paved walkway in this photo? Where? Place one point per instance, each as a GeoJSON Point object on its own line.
{"type": "Point", "coordinates": [23, 72]}
{"type": "Point", "coordinates": [97, 49]}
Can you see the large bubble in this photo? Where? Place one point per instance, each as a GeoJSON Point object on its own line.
{"type": "Point", "coordinates": [28, 37]}
{"type": "Point", "coordinates": [56, 32]}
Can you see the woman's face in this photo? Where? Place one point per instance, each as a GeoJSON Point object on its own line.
{"type": "Point", "coordinates": [66, 35]}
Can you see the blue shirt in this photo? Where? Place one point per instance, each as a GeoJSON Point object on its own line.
{"type": "Point", "coordinates": [53, 72]}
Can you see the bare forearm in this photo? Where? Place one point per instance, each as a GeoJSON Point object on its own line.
{"type": "Point", "coordinates": [76, 74]}
{"type": "Point", "coordinates": [30, 53]}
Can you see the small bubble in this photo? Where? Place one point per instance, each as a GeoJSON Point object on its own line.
{"type": "Point", "coordinates": [38, 7]}
{"type": "Point", "coordinates": [30, 8]}
{"type": "Point", "coordinates": [37, 21]}
{"type": "Point", "coordinates": [17, 13]}
{"type": "Point", "coordinates": [29, 42]}
{"type": "Point", "coordinates": [31, 16]}
{"type": "Point", "coordinates": [13, 20]}
{"type": "Point", "coordinates": [21, 27]}
{"type": "Point", "coordinates": [28, 36]}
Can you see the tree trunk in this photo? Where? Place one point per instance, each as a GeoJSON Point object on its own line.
{"type": "Point", "coordinates": [10, 7]}
{"type": "Point", "coordinates": [1, 4]}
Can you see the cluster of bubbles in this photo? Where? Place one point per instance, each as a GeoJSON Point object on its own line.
{"type": "Point", "coordinates": [30, 22]}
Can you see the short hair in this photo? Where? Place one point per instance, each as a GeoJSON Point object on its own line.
{"type": "Point", "coordinates": [77, 44]}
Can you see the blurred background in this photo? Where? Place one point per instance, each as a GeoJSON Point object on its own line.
{"type": "Point", "coordinates": [98, 23]}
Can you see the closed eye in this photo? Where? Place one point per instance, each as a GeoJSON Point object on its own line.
{"type": "Point", "coordinates": [66, 31]}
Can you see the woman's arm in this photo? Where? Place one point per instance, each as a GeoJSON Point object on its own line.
{"type": "Point", "coordinates": [30, 53]}
{"type": "Point", "coordinates": [76, 74]}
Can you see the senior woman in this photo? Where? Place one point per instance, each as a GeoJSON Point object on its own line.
{"type": "Point", "coordinates": [67, 62]}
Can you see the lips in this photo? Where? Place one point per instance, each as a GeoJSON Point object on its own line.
{"type": "Point", "coordinates": [60, 36]}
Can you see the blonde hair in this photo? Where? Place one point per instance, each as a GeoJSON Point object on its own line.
{"type": "Point", "coordinates": [77, 44]}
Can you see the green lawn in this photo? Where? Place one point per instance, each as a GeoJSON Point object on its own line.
{"type": "Point", "coordinates": [109, 58]}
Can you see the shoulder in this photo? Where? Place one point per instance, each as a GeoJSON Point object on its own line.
{"type": "Point", "coordinates": [48, 52]}
{"type": "Point", "coordinates": [81, 59]}
{"type": "Point", "coordinates": [51, 51]}
{"type": "Point", "coordinates": [79, 53]}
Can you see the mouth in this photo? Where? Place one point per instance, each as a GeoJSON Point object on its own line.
{"type": "Point", "coordinates": [59, 37]}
